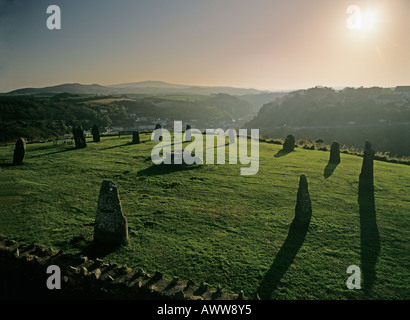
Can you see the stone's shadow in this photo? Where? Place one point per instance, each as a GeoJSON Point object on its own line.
{"type": "Point", "coordinates": [167, 168]}
{"type": "Point", "coordinates": [369, 233]}
{"type": "Point", "coordinates": [329, 169]}
{"type": "Point", "coordinates": [8, 164]}
{"type": "Point", "coordinates": [93, 250]}
{"type": "Point", "coordinates": [66, 149]}
{"type": "Point", "coordinates": [283, 260]}
{"type": "Point", "coordinates": [282, 153]}
{"type": "Point", "coordinates": [119, 146]}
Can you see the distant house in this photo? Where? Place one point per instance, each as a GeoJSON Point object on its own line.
{"type": "Point", "coordinates": [103, 110]}
{"type": "Point", "coordinates": [146, 126]}
{"type": "Point", "coordinates": [117, 128]}
{"type": "Point", "coordinates": [385, 98]}
{"type": "Point", "coordinates": [403, 90]}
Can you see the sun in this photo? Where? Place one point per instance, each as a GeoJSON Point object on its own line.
{"type": "Point", "coordinates": [361, 20]}
{"type": "Point", "coordinates": [368, 21]}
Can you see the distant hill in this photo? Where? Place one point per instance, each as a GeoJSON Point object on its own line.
{"type": "Point", "coordinates": [143, 87]}
{"type": "Point", "coordinates": [148, 84]}
{"type": "Point", "coordinates": [349, 116]}
{"type": "Point", "coordinates": [74, 88]}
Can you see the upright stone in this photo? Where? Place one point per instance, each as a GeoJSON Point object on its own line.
{"type": "Point", "coordinates": [303, 210]}
{"type": "Point", "coordinates": [366, 175]}
{"type": "Point", "coordinates": [135, 137]}
{"type": "Point", "coordinates": [19, 151]}
{"type": "Point", "coordinates": [79, 138]}
{"type": "Point", "coordinates": [111, 227]}
{"type": "Point", "coordinates": [188, 133]}
{"type": "Point", "coordinates": [96, 133]}
{"type": "Point", "coordinates": [289, 144]}
{"type": "Point", "coordinates": [232, 136]}
{"type": "Point", "coordinates": [334, 153]}
{"type": "Point", "coordinates": [157, 133]}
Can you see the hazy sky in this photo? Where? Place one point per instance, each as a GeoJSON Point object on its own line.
{"type": "Point", "coordinates": [263, 44]}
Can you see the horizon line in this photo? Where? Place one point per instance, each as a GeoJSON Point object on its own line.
{"type": "Point", "coordinates": [335, 87]}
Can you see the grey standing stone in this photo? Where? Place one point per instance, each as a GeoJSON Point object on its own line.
{"type": "Point", "coordinates": [19, 151]}
{"type": "Point", "coordinates": [188, 133]}
{"type": "Point", "coordinates": [157, 133]}
{"type": "Point", "coordinates": [79, 138]}
{"type": "Point", "coordinates": [96, 133]}
{"type": "Point", "coordinates": [366, 175]}
{"type": "Point", "coordinates": [289, 144]}
{"type": "Point", "coordinates": [334, 153]}
{"type": "Point", "coordinates": [111, 227]}
{"type": "Point", "coordinates": [232, 136]}
{"type": "Point", "coordinates": [135, 137]}
{"type": "Point", "coordinates": [303, 210]}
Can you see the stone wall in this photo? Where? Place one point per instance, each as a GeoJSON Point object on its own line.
{"type": "Point", "coordinates": [23, 274]}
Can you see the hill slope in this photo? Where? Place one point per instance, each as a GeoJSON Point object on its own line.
{"type": "Point", "coordinates": [143, 87]}
{"type": "Point", "coordinates": [209, 223]}
{"type": "Point", "coordinates": [348, 116]}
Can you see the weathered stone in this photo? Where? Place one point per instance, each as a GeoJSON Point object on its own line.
{"type": "Point", "coordinates": [19, 151]}
{"type": "Point", "coordinates": [96, 273]}
{"type": "Point", "coordinates": [96, 133]}
{"type": "Point", "coordinates": [135, 137]}
{"type": "Point", "coordinates": [188, 136]}
{"type": "Point", "coordinates": [366, 174]}
{"type": "Point", "coordinates": [232, 136]}
{"type": "Point", "coordinates": [334, 153]}
{"type": "Point", "coordinates": [303, 209]}
{"type": "Point", "coordinates": [110, 226]}
{"type": "Point", "coordinates": [157, 133]}
{"type": "Point", "coordinates": [289, 144]}
{"type": "Point", "coordinates": [79, 138]}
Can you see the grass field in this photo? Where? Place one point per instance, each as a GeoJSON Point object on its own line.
{"type": "Point", "coordinates": [209, 223]}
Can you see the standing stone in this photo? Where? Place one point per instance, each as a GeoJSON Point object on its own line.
{"type": "Point", "coordinates": [79, 138]}
{"type": "Point", "coordinates": [366, 175]}
{"type": "Point", "coordinates": [135, 137]}
{"type": "Point", "coordinates": [303, 210]}
{"type": "Point", "coordinates": [188, 133]}
{"type": "Point", "coordinates": [19, 151]}
{"type": "Point", "coordinates": [289, 144]}
{"type": "Point", "coordinates": [96, 133]}
{"type": "Point", "coordinates": [157, 133]}
{"type": "Point", "coordinates": [334, 153]}
{"type": "Point", "coordinates": [111, 227]}
{"type": "Point", "coordinates": [232, 136]}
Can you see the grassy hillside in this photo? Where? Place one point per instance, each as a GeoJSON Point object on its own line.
{"type": "Point", "coordinates": [209, 223]}
{"type": "Point", "coordinates": [348, 116]}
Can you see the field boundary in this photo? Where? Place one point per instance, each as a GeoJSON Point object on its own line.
{"type": "Point", "coordinates": [23, 274]}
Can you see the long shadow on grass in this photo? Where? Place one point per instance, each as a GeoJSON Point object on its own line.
{"type": "Point", "coordinates": [7, 164]}
{"type": "Point", "coordinates": [129, 143]}
{"type": "Point", "coordinates": [369, 233]}
{"type": "Point", "coordinates": [49, 153]}
{"type": "Point", "coordinates": [93, 251]}
{"type": "Point", "coordinates": [166, 168]}
{"type": "Point", "coordinates": [283, 260]}
{"type": "Point", "coordinates": [282, 153]}
{"type": "Point", "coordinates": [329, 169]}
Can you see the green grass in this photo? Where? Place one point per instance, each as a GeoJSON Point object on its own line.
{"type": "Point", "coordinates": [209, 223]}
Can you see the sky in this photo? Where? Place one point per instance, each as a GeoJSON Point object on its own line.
{"type": "Point", "coordinates": [261, 44]}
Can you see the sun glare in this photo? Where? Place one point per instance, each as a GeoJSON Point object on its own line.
{"type": "Point", "coordinates": [368, 21]}
{"type": "Point", "coordinates": [361, 20]}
